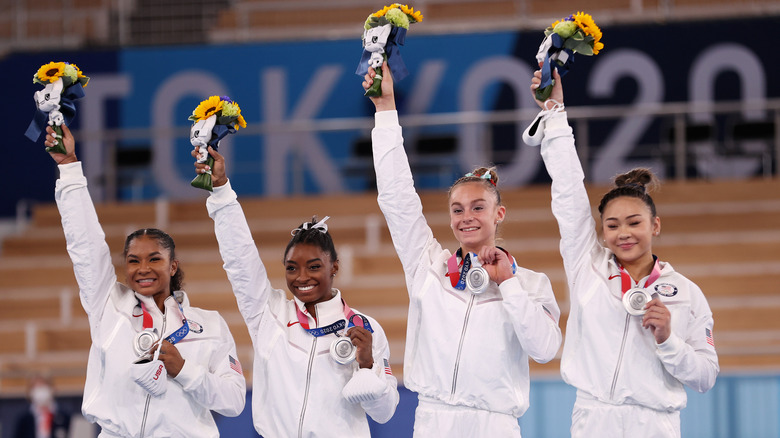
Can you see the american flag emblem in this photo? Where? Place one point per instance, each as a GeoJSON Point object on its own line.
{"type": "Point", "coordinates": [708, 335]}
{"type": "Point", "coordinates": [235, 365]}
{"type": "Point", "coordinates": [388, 371]}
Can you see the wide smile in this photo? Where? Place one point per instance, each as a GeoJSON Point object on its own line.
{"type": "Point", "coordinates": [469, 229]}
{"type": "Point", "coordinates": [306, 288]}
{"type": "Point", "coordinates": [145, 282]}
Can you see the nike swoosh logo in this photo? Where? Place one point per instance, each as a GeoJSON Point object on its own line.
{"type": "Point", "coordinates": [613, 276]}
{"type": "Point", "coordinates": [292, 323]}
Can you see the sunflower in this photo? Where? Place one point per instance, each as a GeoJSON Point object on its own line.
{"type": "Point", "coordinates": [416, 16]}
{"type": "Point", "coordinates": [232, 109]}
{"type": "Point", "coordinates": [80, 75]}
{"type": "Point", "coordinates": [50, 72]}
{"type": "Point", "coordinates": [585, 22]}
{"type": "Point", "coordinates": [207, 108]}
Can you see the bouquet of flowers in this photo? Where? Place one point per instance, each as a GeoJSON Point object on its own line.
{"type": "Point", "coordinates": [576, 33]}
{"type": "Point", "coordinates": [383, 32]}
{"type": "Point", "coordinates": [62, 84]}
{"type": "Point", "coordinates": [214, 118]}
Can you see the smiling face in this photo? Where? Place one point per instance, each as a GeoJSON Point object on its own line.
{"type": "Point", "coordinates": [309, 271]}
{"type": "Point", "coordinates": [149, 268]}
{"type": "Point", "coordinates": [629, 227]}
{"type": "Point", "coordinates": [474, 214]}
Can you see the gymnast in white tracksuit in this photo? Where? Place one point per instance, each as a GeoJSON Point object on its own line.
{"type": "Point", "coordinates": [197, 370]}
{"type": "Point", "coordinates": [628, 362]}
{"type": "Point", "coordinates": [466, 351]}
{"type": "Point", "coordinates": [299, 389]}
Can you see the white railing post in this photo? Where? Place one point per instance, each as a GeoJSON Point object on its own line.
{"type": "Point", "coordinates": [31, 339]}
{"type": "Point", "coordinates": [66, 309]}
{"type": "Point", "coordinates": [346, 270]}
{"type": "Point", "coordinates": [373, 237]}
{"type": "Point", "coordinates": [161, 213]}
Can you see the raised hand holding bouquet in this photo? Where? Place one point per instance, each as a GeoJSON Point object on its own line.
{"type": "Point", "coordinates": [384, 31]}
{"type": "Point", "coordinates": [62, 84]}
{"type": "Point", "coordinates": [214, 118]}
{"type": "Point", "coordinates": [577, 33]}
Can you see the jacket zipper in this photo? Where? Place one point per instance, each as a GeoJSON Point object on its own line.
{"type": "Point", "coordinates": [308, 382]}
{"type": "Point", "coordinates": [620, 358]}
{"type": "Point", "coordinates": [460, 347]}
{"type": "Point", "coordinates": [149, 396]}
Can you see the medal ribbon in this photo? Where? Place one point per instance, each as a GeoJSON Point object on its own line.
{"type": "Point", "coordinates": [174, 337]}
{"type": "Point", "coordinates": [459, 281]}
{"type": "Point", "coordinates": [349, 314]}
{"type": "Point", "coordinates": [625, 278]}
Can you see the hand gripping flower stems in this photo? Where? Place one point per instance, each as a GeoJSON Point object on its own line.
{"type": "Point", "coordinates": [63, 83]}
{"type": "Point", "coordinates": [384, 31]}
{"type": "Point", "coordinates": [214, 118]}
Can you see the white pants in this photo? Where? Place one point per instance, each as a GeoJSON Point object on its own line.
{"type": "Point", "coordinates": [434, 419]}
{"type": "Point", "coordinates": [592, 418]}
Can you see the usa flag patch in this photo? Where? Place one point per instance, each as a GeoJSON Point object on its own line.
{"type": "Point", "coordinates": [388, 371]}
{"type": "Point", "coordinates": [708, 335]}
{"type": "Point", "coordinates": [235, 365]}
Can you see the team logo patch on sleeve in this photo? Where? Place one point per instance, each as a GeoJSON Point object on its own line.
{"type": "Point", "coordinates": [235, 365]}
{"type": "Point", "coordinates": [666, 289]}
{"type": "Point", "coordinates": [388, 371]}
{"type": "Point", "coordinates": [708, 335]}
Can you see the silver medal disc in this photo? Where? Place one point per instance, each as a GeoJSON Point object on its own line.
{"type": "Point", "coordinates": [144, 341]}
{"type": "Point", "coordinates": [635, 300]}
{"type": "Point", "coordinates": [477, 280]}
{"type": "Point", "coordinates": [342, 350]}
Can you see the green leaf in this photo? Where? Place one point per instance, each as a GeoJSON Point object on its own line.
{"type": "Point", "coordinates": [584, 49]}
{"type": "Point", "coordinates": [579, 36]}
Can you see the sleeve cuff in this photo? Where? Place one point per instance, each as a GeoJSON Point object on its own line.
{"type": "Point", "coordinates": [71, 170]}
{"type": "Point", "coordinates": [671, 345]}
{"type": "Point", "coordinates": [220, 196]}
{"type": "Point", "coordinates": [511, 287]}
{"type": "Point", "coordinates": [386, 119]}
{"type": "Point", "coordinates": [558, 120]}
{"type": "Point", "coordinates": [188, 375]}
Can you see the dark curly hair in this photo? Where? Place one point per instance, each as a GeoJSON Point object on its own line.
{"type": "Point", "coordinates": [177, 279]}
{"type": "Point", "coordinates": [636, 183]}
{"type": "Point", "coordinates": [305, 233]}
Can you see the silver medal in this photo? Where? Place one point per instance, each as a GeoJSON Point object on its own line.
{"type": "Point", "coordinates": [342, 350]}
{"type": "Point", "coordinates": [634, 300]}
{"type": "Point", "coordinates": [477, 279]}
{"type": "Point", "coordinates": [144, 341]}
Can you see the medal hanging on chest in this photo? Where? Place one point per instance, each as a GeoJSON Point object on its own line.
{"type": "Point", "coordinates": [636, 298]}
{"type": "Point", "coordinates": [148, 336]}
{"type": "Point", "coordinates": [342, 350]}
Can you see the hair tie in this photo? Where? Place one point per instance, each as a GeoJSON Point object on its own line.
{"type": "Point", "coordinates": [320, 226]}
{"type": "Point", "coordinates": [485, 176]}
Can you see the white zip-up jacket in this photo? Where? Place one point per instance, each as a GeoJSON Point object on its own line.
{"type": "Point", "coordinates": [111, 398]}
{"type": "Point", "coordinates": [297, 386]}
{"type": "Point", "coordinates": [607, 353]}
{"type": "Point", "coordinates": [461, 348]}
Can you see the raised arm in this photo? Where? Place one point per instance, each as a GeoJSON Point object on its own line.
{"type": "Point", "coordinates": [570, 203]}
{"type": "Point", "coordinates": [86, 242]}
{"type": "Point", "coordinates": [242, 262]}
{"type": "Point", "coordinates": [397, 197]}
{"type": "Point", "coordinates": [221, 386]}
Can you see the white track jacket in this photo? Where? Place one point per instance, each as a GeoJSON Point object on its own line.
{"type": "Point", "coordinates": [461, 348]}
{"type": "Point", "coordinates": [296, 384]}
{"type": "Point", "coordinates": [111, 398]}
{"type": "Point", "coordinates": [607, 353]}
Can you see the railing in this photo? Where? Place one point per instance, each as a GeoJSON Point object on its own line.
{"type": "Point", "coordinates": [677, 146]}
